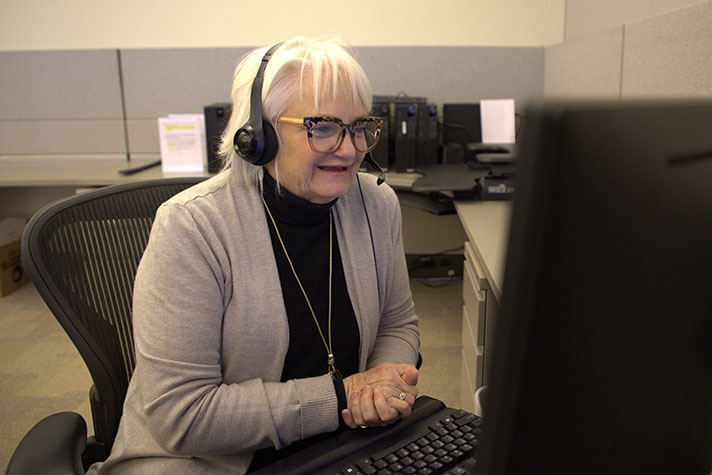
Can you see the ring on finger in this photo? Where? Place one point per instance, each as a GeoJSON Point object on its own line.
{"type": "Point", "coordinates": [364, 427]}
{"type": "Point", "coordinates": [402, 396]}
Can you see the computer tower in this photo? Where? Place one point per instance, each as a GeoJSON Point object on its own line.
{"type": "Point", "coordinates": [427, 135]}
{"type": "Point", "coordinates": [404, 137]}
{"type": "Point", "coordinates": [461, 124]}
{"type": "Point", "coordinates": [381, 154]}
{"type": "Point", "coordinates": [216, 117]}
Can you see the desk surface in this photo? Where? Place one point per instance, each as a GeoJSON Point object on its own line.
{"type": "Point", "coordinates": [486, 224]}
{"type": "Point", "coordinates": [54, 171]}
{"type": "Point", "coordinates": [76, 171]}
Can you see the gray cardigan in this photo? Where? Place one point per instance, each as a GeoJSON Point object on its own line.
{"type": "Point", "coordinates": [211, 330]}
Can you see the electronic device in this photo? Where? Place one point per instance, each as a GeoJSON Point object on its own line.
{"type": "Point", "coordinates": [216, 117]}
{"type": "Point", "coordinates": [432, 439]}
{"type": "Point", "coordinates": [602, 360]}
{"type": "Point", "coordinates": [381, 154]}
{"type": "Point", "coordinates": [461, 124]}
{"type": "Point", "coordinates": [404, 137]}
{"type": "Point", "coordinates": [256, 140]}
{"type": "Point", "coordinates": [426, 147]}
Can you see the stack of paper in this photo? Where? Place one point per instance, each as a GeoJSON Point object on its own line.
{"type": "Point", "coordinates": [182, 139]}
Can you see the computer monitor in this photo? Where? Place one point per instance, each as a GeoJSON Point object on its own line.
{"type": "Point", "coordinates": [602, 360]}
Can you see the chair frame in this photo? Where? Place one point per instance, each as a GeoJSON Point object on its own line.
{"type": "Point", "coordinates": [108, 392]}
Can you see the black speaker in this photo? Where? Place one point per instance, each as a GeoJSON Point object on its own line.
{"type": "Point", "coordinates": [427, 135]}
{"type": "Point", "coordinates": [216, 117]}
{"type": "Point", "coordinates": [404, 137]}
{"type": "Point", "coordinates": [461, 124]}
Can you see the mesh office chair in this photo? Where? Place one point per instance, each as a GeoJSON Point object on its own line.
{"type": "Point", "coordinates": [82, 253]}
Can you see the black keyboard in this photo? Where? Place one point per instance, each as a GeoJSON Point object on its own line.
{"type": "Point", "coordinates": [434, 439]}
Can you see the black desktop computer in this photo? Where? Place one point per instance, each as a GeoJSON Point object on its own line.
{"type": "Point", "coordinates": [381, 154]}
{"type": "Point", "coordinates": [404, 136]}
{"type": "Point", "coordinates": [216, 117]}
{"type": "Point", "coordinates": [426, 135]}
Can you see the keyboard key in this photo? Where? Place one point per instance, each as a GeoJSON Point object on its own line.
{"type": "Point", "coordinates": [391, 458]}
{"type": "Point", "coordinates": [447, 439]}
{"type": "Point", "coordinates": [395, 467]}
{"type": "Point", "coordinates": [437, 444]}
{"type": "Point", "coordinates": [402, 453]}
{"type": "Point", "coordinates": [406, 461]}
{"type": "Point", "coordinates": [461, 421]}
{"type": "Point", "coordinates": [420, 464]}
{"type": "Point", "coordinates": [409, 471]}
{"type": "Point", "coordinates": [368, 469]}
{"type": "Point", "coordinates": [459, 442]}
{"type": "Point", "coordinates": [435, 466]}
{"type": "Point", "coordinates": [422, 442]}
{"type": "Point", "coordinates": [380, 464]}
{"type": "Point", "coordinates": [417, 455]}
{"type": "Point", "coordinates": [412, 447]}
{"type": "Point", "coordinates": [432, 436]}
{"type": "Point", "coordinates": [440, 453]}
{"type": "Point", "coordinates": [457, 471]}
{"type": "Point", "coordinates": [450, 447]}
{"type": "Point", "coordinates": [446, 459]}
{"type": "Point", "coordinates": [425, 471]}
{"type": "Point", "coordinates": [456, 433]}
{"type": "Point", "coordinates": [456, 454]}
{"type": "Point", "coordinates": [430, 458]}
{"type": "Point", "coordinates": [427, 450]}
{"type": "Point", "coordinates": [467, 448]}
{"type": "Point", "coordinates": [385, 471]}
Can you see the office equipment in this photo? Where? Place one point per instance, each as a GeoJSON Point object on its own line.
{"type": "Point", "coordinates": [381, 154]}
{"type": "Point", "coordinates": [426, 147]}
{"type": "Point", "coordinates": [461, 124]}
{"type": "Point", "coordinates": [404, 136]}
{"type": "Point", "coordinates": [432, 439]}
{"type": "Point", "coordinates": [602, 360]}
{"type": "Point", "coordinates": [81, 253]}
{"type": "Point", "coordinates": [216, 117]}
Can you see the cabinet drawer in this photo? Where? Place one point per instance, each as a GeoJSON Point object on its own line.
{"type": "Point", "coordinates": [476, 307]}
{"type": "Point", "coordinates": [479, 279]}
{"type": "Point", "coordinates": [467, 388]}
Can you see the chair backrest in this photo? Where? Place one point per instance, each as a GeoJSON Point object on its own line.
{"type": "Point", "coordinates": [82, 253]}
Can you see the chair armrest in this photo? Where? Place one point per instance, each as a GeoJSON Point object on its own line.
{"type": "Point", "coordinates": [54, 445]}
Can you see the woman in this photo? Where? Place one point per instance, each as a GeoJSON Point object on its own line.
{"type": "Point", "coordinates": [272, 302]}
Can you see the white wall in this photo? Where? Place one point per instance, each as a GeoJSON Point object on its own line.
{"type": "Point", "coordinates": [90, 24]}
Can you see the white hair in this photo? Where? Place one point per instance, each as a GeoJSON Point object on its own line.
{"type": "Point", "coordinates": [324, 64]}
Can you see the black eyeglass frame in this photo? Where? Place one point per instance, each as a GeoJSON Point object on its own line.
{"type": "Point", "coordinates": [310, 122]}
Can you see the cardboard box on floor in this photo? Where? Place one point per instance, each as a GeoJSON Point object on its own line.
{"type": "Point", "coordinates": [12, 273]}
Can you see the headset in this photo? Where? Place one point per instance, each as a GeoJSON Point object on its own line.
{"type": "Point", "coordinates": [256, 141]}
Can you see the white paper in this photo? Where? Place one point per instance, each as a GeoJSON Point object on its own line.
{"type": "Point", "coordinates": [497, 118]}
{"type": "Point", "coordinates": [182, 140]}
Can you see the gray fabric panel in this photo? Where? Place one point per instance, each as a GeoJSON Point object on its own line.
{"type": "Point", "coordinates": [62, 137]}
{"type": "Point", "coordinates": [670, 55]}
{"type": "Point", "coordinates": [59, 85]}
{"type": "Point", "coordinates": [586, 67]}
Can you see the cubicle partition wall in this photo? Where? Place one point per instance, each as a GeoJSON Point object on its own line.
{"type": "Point", "coordinates": [105, 102]}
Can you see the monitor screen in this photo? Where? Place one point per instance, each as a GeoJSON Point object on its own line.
{"type": "Point", "coordinates": [602, 360]}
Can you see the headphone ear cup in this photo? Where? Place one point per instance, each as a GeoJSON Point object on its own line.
{"type": "Point", "coordinates": [270, 144]}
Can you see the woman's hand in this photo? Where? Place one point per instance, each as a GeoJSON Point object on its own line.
{"type": "Point", "coordinates": [380, 396]}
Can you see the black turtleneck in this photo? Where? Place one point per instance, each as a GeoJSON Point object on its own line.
{"type": "Point", "coordinates": [304, 227]}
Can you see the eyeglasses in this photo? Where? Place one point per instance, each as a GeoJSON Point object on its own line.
{"type": "Point", "coordinates": [326, 134]}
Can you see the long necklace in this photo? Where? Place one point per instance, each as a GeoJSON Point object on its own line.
{"type": "Point", "coordinates": [330, 362]}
